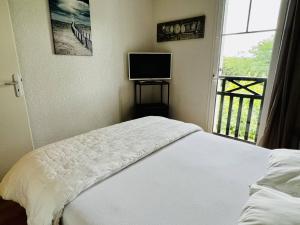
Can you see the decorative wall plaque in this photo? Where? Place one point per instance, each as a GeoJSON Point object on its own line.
{"type": "Point", "coordinates": [191, 28]}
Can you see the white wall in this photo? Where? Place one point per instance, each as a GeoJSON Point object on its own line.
{"type": "Point", "coordinates": [68, 95]}
{"type": "Point", "coordinates": [191, 83]}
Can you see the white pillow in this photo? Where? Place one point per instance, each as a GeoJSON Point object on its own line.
{"type": "Point", "coordinates": [271, 207]}
{"type": "Point", "coordinates": [284, 172]}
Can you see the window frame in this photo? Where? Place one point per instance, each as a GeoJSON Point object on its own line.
{"type": "Point", "coordinates": [216, 61]}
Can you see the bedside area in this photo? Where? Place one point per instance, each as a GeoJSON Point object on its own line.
{"type": "Point", "coordinates": [160, 108]}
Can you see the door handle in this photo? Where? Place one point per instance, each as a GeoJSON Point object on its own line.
{"type": "Point", "coordinates": [9, 83]}
{"type": "Point", "coordinates": [17, 83]}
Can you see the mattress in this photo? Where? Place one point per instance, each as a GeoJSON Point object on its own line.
{"type": "Point", "coordinates": [202, 179]}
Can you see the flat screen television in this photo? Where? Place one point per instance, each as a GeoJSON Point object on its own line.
{"type": "Point", "coordinates": [149, 65]}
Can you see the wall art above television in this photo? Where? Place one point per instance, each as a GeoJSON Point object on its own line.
{"type": "Point", "coordinates": [185, 29]}
{"type": "Point", "coordinates": [71, 27]}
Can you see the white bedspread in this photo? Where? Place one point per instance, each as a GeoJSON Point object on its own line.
{"type": "Point", "coordinates": [45, 180]}
{"type": "Point", "coordinates": [201, 179]}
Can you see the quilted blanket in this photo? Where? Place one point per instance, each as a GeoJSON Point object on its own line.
{"type": "Point", "coordinates": [47, 179]}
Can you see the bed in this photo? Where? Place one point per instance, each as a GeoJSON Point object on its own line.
{"type": "Point", "coordinates": [199, 178]}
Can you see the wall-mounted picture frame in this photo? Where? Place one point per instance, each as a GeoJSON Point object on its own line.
{"type": "Point", "coordinates": [71, 27]}
{"type": "Point", "coordinates": [184, 29]}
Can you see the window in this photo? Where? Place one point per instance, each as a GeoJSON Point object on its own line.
{"type": "Point", "coordinates": [249, 29]}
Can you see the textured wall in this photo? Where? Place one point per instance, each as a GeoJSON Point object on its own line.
{"type": "Point", "coordinates": [192, 59]}
{"type": "Point", "coordinates": [68, 95]}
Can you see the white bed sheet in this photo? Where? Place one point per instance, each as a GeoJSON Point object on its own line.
{"type": "Point", "coordinates": [201, 179]}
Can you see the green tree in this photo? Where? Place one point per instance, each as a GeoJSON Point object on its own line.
{"type": "Point", "coordinates": [256, 64]}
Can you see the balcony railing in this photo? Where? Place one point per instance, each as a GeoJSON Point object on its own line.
{"type": "Point", "coordinates": [238, 107]}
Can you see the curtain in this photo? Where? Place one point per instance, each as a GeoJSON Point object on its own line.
{"type": "Point", "coordinates": [283, 122]}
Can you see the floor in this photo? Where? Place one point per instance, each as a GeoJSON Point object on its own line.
{"type": "Point", "coordinates": [11, 213]}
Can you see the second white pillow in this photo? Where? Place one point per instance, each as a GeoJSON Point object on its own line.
{"type": "Point", "coordinates": [284, 172]}
{"type": "Point", "coordinates": [270, 207]}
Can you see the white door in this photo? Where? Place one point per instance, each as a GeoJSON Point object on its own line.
{"type": "Point", "coordinates": [15, 135]}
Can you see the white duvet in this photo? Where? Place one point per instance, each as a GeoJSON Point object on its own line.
{"type": "Point", "coordinates": [45, 180]}
{"type": "Point", "coordinates": [201, 179]}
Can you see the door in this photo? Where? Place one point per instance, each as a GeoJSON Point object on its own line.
{"type": "Point", "coordinates": [249, 38]}
{"type": "Point", "coordinates": [15, 135]}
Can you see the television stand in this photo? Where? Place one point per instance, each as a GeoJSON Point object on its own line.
{"type": "Point", "coordinates": [151, 109]}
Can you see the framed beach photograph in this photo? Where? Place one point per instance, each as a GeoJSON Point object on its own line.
{"type": "Point", "coordinates": [71, 27]}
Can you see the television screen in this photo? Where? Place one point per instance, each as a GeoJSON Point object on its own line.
{"type": "Point", "coordinates": [149, 66]}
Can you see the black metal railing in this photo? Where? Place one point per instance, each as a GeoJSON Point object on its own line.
{"type": "Point", "coordinates": [239, 106]}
